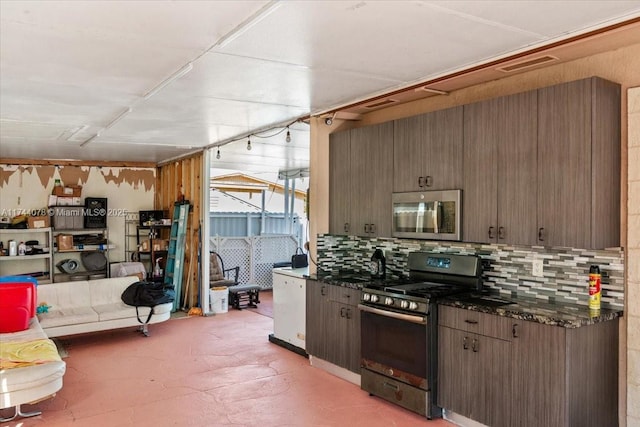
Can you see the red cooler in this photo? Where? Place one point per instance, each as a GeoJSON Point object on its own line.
{"type": "Point", "coordinates": [17, 306]}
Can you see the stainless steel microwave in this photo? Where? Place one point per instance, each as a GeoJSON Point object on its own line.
{"type": "Point", "coordinates": [433, 215]}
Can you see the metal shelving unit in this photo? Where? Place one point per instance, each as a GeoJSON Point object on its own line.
{"type": "Point", "coordinates": [28, 264]}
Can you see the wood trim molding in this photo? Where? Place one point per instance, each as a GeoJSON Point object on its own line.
{"type": "Point", "coordinates": [111, 164]}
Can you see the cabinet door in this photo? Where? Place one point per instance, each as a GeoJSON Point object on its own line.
{"type": "Point", "coordinates": [408, 161]}
{"type": "Point", "coordinates": [480, 190]}
{"type": "Point", "coordinates": [442, 149]}
{"type": "Point", "coordinates": [564, 164]}
{"type": "Point", "coordinates": [538, 375]}
{"type": "Point", "coordinates": [340, 185]}
{"type": "Point", "coordinates": [499, 194]}
{"type": "Point", "coordinates": [457, 371]}
{"type": "Point", "coordinates": [347, 327]}
{"type": "Point", "coordinates": [372, 180]}
{"type": "Point", "coordinates": [316, 306]}
{"type": "Point", "coordinates": [517, 168]}
{"type": "Point", "coordinates": [428, 151]}
{"type": "Point", "coordinates": [493, 402]}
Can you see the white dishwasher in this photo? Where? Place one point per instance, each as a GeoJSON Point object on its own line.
{"type": "Point", "coordinates": [289, 308]}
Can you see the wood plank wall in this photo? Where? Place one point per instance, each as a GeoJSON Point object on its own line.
{"type": "Point", "coordinates": [176, 181]}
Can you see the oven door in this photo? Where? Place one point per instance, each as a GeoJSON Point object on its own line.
{"type": "Point", "coordinates": [395, 344]}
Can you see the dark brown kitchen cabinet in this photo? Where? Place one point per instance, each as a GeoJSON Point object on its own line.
{"type": "Point", "coordinates": [343, 328]}
{"type": "Point", "coordinates": [317, 294]}
{"type": "Point", "coordinates": [579, 153]}
{"type": "Point", "coordinates": [361, 180]}
{"type": "Point", "coordinates": [333, 324]}
{"type": "Point", "coordinates": [340, 183]}
{"type": "Point", "coordinates": [474, 358]}
{"type": "Point", "coordinates": [565, 376]}
{"type": "Point", "coordinates": [427, 151]}
{"type": "Point", "coordinates": [499, 197]}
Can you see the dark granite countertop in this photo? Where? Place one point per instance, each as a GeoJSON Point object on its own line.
{"type": "Point", "coordinates": [529, 309]}
{"type": "Point", "coordinates": [533, 310]}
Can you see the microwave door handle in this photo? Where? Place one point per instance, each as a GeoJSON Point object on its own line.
{"type": "Point", "coordinates": [436, 217]}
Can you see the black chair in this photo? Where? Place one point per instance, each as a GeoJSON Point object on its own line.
{"type": "Point", "coordinates": [239, 295]}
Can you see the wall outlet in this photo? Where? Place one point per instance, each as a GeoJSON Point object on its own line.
{"type": "Point", "coordinates": [537, 268]}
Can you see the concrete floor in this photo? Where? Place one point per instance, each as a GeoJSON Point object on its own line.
{"type": "Point", "coordinates": [205, 371]}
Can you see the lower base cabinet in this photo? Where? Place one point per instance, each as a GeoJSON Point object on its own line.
{"type": "Point", "coordinates": [565, 376]}
{"type": "Point", "coordinates": [509, 372]}
{"type": "Point", "coordinates": [333, 324]}
{"type": "Point", "coordinates": [473, 361]}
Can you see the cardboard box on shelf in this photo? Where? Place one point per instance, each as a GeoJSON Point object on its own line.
{"type": "Point", "coordinates": [68, 191]}
{"type": "Point", "coordinates": [39, 221]}
{"type": "Point", "coordinates": [160, 245]}
{"type": "Point", "coordinates": [64, 242]}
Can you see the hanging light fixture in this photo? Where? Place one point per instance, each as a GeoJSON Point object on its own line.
{"type": "Point", "coordinates": [288, 138]}
{"type": "Point", "coordinates": [248, 143]}
{"type": "Point", "coordinates": [218, 154]}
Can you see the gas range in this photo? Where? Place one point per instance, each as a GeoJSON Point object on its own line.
{"type": "Point", "coordinates": [409, 297]}
{"type": "Point", "coordinates": [431, 276]}
{"type": "Point", "coordinates": [399, 328]}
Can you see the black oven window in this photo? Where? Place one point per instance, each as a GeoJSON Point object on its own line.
{"type": "Point", "coordinates": [395, 343]}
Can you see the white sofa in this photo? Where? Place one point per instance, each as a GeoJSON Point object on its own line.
{"type": "Point", "coordinates": [31, 383]}
{"type": "Point", "coordinates": [93, 305]}
{"type": "Point", "coordinates": [74, 308]}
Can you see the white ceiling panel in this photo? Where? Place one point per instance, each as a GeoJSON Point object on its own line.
{"type": "Point", "coordinates": [69, 69]}
{"type": "Point", "coordinates": [547, 18]}
{"type": "Point", "coordinates": [407, 34]}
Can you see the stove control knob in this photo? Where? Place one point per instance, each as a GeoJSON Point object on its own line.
{"type": "Point", "coordinates": [375, 298]}
{"type": "Point", "coordinates": [388, 301]}
{"type": "Point", "coordinates": [404, 304]}
{"type": "Point", "coordinates": [366, 297]}
{"type": "Point", "coordinates": [413, 306]}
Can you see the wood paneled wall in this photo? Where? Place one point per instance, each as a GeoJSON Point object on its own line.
{"type": "Point", "coordinates": [177, 181]}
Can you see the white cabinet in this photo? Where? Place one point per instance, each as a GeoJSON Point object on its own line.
{"type": "Point", "coordinates": [39, 265]}
{"type": "Point", "coordinates": [289, 302]}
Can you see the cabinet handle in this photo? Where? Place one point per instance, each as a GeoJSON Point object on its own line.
{"type": "Point", "coordinates": [475, 345]}
{"type": "Point", "coordinates": [465, 344]}
{"type": "Point", "coordinates": [346, 227]}
{"type": "Point", "coordinates": [323, 291]}
{"type": "Point", "coordinates": [366, 228]}
{"type": "Point", "coordinates": [428, 181]}
{"type": "Point", "coordinates": [472, 322]}
{"type": "Point", "coordinates": [501, 233]}
{"type": "Point", "coordinates": [372, 228]}
{"type": "Point", "coordinates": [348, 313]}
{"type": "Point", "coordinates": [420, 181]}
{"type": "Point", "coordinates": [541, 234]}
{"type": "Point", "coordinates": [342, 309]}
{"type": "Point", "coordinates": [514, 330]}
{"type": "Point", "coordinates": [491, 235]}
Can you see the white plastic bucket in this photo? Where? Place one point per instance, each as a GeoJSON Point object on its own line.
{"type": "Point", "coordinates": [219, 299]}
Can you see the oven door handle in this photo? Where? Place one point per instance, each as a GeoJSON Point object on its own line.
{"type": "Point", "coordinates": [401, 316]}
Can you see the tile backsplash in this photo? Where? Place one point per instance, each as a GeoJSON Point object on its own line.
{"type": "Point", "coordinates": [507, 268]}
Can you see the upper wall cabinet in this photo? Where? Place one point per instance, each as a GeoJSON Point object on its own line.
{"type": "Point", "coordinates": [579, 164]}
{"type": "Point", "coordinates": [360, 181]}
{"type": "Point", "coordinates": [340, 183]}
{"type": "Point", "coordinates": [427, 151]}
{"type": "Point", "coordinates": [499, 192]}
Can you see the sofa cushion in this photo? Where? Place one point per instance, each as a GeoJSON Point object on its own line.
{"type": "Point", "coordinates": [61, 316]}
{"type": "Point", "coordinates": [108, 291]}
{"type": "Point", "coordinates": [65, 295]}
{"type": "Point", "coordinates": [118, 311]}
